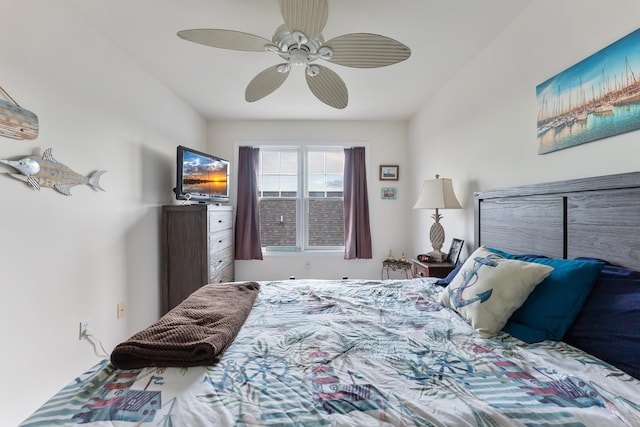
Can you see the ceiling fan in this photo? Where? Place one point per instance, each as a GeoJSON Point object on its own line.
{"type": "Point", "coordinates": [299, 41]}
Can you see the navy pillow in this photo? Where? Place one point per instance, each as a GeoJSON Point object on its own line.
{"type": "Point", "coordinates": [449, 278]}
{"type": "Point", "coordinates": [608, 325]}
{"type": "Point", "coordinates": [554, 304]}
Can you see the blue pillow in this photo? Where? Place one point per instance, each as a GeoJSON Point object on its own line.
{"type": "Point", "coordinates": [449, 278]}
{"type": "Point", "coordinates": [555, 303]}
{"type": "Point", "coordinates": [607, 326]}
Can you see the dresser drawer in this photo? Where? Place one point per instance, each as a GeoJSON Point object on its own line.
{"type": "Point", "coordinates": [220, 240]}
{"type": "Point", "coordinates": [220, 260]}
{"type": "Point", "coordinates": [220, 221]}
{"type": "Point", "coordinates": [223, 276]}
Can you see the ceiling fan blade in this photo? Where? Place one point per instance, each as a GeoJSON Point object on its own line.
{"type": "Point", "coordinates": [328, 87]}
{"type": "Point", "coordinates": [225, 39]}
{"type": "Point", "coordinates": [265, 83]}
{"type": "Point", "coordinates": [307, 16]}
{"type": "Point", "coordinates": [364, 50]}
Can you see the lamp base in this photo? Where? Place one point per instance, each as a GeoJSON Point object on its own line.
{"type": "Point", "coordinates": [437, 255]}
{"type": "Point", "coordinates": [436, 234]}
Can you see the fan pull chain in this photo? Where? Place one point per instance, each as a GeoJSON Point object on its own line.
{"type": "Point", "coordinates": [8, 96]}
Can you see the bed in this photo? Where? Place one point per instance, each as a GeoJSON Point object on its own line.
{"type": "Point", "coordinates": [405, 352]}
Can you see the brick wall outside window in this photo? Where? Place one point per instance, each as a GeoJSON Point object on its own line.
{"type": "Point", "coordinates": [326, 222]}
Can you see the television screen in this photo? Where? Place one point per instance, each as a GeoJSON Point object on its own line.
{"type": "Point", "coordinates": [201, 176]}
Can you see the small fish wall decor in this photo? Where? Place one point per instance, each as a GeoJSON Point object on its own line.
{"type": "Point", "coordinates": [16, 122]}
{"type": "Point", "coordinates": [45, 171]}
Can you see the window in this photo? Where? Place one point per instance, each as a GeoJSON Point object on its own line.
{"type": "Point", "coordinates": [301, 204]}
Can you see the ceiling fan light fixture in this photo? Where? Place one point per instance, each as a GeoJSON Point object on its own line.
{"type": "Point", "coordinates": [271, 48]}
{"type": "Point", "coordinates": [313, 70]}
{"type": "Point", "coordinates": [325, 53]}
{"type": "Point", "coordinates": [300, 37]}
{"type": "Point", "coordinates": [283, 68]}
{"type": "Point", "coordinates": [299, 41]}
{"type": "Point", "coordinates": [299, 56]}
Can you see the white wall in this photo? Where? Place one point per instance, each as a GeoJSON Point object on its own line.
{"type": "Point", "coordinates": [387, 145]}
{"type": "Point", "coordinates": [65, 259]}
{"type": "Point", "coordinates": [480, 128]}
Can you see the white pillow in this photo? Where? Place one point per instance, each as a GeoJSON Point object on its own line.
{"type": "Point", "coordinates": [489, 288]}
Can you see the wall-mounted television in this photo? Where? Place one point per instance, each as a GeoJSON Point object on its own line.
{"type": "Point", "coordinates": [201, 177]}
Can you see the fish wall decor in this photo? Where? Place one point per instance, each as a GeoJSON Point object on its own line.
{"type": "Point", "coordinates": [45, 171]}
{"type": "Point", "coordinates": [16, 122]}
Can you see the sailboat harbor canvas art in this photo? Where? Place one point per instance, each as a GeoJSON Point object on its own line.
{"type": "Point", "coordinates": [596, 98]}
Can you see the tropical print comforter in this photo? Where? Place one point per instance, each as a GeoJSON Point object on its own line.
{"type": "Point", "coordinates": [357, 353]}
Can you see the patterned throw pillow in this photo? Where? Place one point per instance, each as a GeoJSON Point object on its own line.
{"type": "Point", "coordinates": [489, 288]}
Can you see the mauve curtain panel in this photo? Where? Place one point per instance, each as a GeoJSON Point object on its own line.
{"type": "Point", "coordinates": [247, 216]}
{"type": "Point", "coordinates": [357, 231]}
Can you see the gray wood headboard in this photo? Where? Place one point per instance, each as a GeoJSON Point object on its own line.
{"type": "Point", "coordinates": [594, 217]}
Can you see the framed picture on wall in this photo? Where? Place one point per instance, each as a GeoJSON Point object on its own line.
{"type": "Point", "coordinates": [389, 193]}
{"type": "Point", "coordinates": [591, 100]}
{"type": "Point", "coordinates": [389, 172]}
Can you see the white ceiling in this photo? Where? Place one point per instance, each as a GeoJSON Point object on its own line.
{"type": "Point", "coordinates": [443, 35]}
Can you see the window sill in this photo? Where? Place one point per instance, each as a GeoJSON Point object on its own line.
{"type": "Point", "coordinates": [328, 252]}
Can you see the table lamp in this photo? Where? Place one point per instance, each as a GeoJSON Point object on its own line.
{"type": "Point", "coordinates": [437, 194]}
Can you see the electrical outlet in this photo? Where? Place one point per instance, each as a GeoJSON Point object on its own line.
{"type": "Point", "coordinates": [121, 310]}
{"type": "Point", "coordinates": [307, 265]}
{"type": "Point", "coordinates": [84, 329]}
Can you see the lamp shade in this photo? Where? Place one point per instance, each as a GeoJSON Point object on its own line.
{"type": "Point", "coordinates": [437, 194]}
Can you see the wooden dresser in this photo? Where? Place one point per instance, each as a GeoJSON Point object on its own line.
{"type": "Point", "coordinates": [197, 248]}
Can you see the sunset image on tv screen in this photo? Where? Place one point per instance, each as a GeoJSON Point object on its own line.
{"type": "Point", "coordinates": [204, 175]}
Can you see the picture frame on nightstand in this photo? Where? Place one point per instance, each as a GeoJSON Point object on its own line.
{"type": "Point", "coordinates": [454, 251]}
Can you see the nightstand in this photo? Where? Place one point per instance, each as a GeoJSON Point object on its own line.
{"type": "Point", "coordinates": [395, 266]}
{"type": "Point", "coordinates": [431, 269]}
